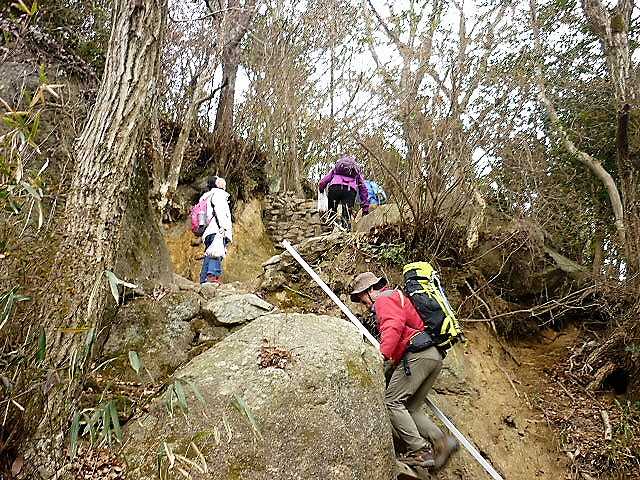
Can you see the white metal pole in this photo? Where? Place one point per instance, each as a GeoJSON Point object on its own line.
{"type": "Point", "coordinates": [463, 440]}
{"type": "Point", "coordinates": [294, 253]}
{"type": "Point", "coordinates": [452, 428]}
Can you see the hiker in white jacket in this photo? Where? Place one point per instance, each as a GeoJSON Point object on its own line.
{"type": "Point", "coordinates": [219, 231]}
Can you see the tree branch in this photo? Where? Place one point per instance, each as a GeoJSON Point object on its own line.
{"type": "Point", "coordinates": [402, 47]}
{"type": "Point", "coordinates": [213, 93]}
{"type": "Point", "coordinates": [590, 162]}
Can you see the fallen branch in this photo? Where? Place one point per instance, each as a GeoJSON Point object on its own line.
{"type": "Point", "coordinates": [299, 293]}
{"type": "Point", "coordinates": [607, 425]}
{"type": "Point", "coordinates": [509, 352]}
{"type": "Point", "coordinates": [567, 302]}
{"type": "Point", "coordinates": [475, 295]}
{"type": "Point", "coordinates": [510, 381]}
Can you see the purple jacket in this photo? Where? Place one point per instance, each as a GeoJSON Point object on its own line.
{"type": "Point", "coordinates": [356, 184]}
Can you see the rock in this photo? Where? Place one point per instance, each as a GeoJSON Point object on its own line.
{"type": "Point", "coordinates": [293, 220]}
{"type": "Point", "coordinates": [383, 215]}
{"type": "Point", "coordinates": [215, 290]}
{"type": "Point", "coordinates": [279, 270]}
{"type": "Point", "coordinates": [182, 306]}
{"type": "Point", "coordinates": [404, 472]}
{"type": "Point", "coordinates": [322, 416]}
{"type": "Point", "coordinates": [273, 279]}
{"type": "Point", "coordinates": [209, 290]}
{"type": "Point", "coordinates": [231, 289]}
{"type": "Point", "coordinates": [272, 261]}
{"type": "Point", "coordinates": [16, 77]}
{"type": "Point", "coordinates": [185, 284]}
{"type": "Point", "coordinates": [204, 332]}
{"type": "Point", "coordinates": [235, 309]}
{"type": "Point", "coordinates": [144, 326]}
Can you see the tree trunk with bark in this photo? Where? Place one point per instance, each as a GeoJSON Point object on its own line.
{"type": "Point", "coordinates": [224, 113]}
{"type": "Point", "coordinates": [611, 26]}
{"type": "Point", "coordinates": [169, 184]}
{"type": "Point", "coordinates": [598, 254]}
{"type": "Point", "coordinates": [630, 185]}
{"type": "Point", "coordinates": [291, 173]}
{"type": "Point", "coordinates": [234, 26]}
{"type": "Point", "coordinates": [156, 153]}
{"type": "Point", "coordinates": [612, 29]}
{"type": "Point", "coordinates": [592, 163]}
{"type": "Point", "coordinates": [75, 308]}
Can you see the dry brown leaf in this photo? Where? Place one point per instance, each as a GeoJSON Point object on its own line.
{"type": "Point", "coordinates": [16, 468]}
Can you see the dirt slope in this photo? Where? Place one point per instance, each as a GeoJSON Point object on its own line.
{"type": "Point", "coordinates": [249, 249]}
{"type": "Point", "coordinates": [489, 397]}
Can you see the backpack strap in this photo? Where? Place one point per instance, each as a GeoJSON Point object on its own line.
{"type": "Point", "coordinates": [215, 216]}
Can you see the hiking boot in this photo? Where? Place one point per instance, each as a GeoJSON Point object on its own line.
{"type": "Point", "coordinates": [213, 279]}
{"type": "Point", "coordinates": [419, 458]}
{"type": "Point", "coordinates": [444, 448]}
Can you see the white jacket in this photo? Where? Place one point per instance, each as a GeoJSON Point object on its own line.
{"type": "Point", "coordinates": [218, 199]}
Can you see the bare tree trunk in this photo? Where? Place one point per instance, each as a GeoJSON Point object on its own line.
{"type": "Point", "coordinates": [105, 156]}
{"type": "Point", "coordinates": [234, 26]}
{"type": "Point", "coordinates": [598, 254]}
{"type": "Point", "coordinates": [629, 182]}
{"type": "Point", "coordinates": [612, 28]}
{"type": "Point", "coordinates": [170, 184]}
{"type": "Point", "coordinates": [613, 31]}
{"type": "Point", "coordinates": [224, 113]}
{"type": "Point", "coordinates": [293, 176]}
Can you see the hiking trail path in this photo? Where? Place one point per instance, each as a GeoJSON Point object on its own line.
{"type": "Point", "coordinates": [490, 389]}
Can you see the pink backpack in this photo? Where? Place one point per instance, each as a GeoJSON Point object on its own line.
{"type": "Point", "coordinates": [199, 217]}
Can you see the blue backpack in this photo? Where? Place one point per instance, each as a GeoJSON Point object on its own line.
{"type": "Point", "coordinates": [377, 196]}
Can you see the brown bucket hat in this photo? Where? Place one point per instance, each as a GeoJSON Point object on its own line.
{"type": "Point", "coordinates": [364, 281]}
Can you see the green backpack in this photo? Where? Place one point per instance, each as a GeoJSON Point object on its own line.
{"type": "Point", "coordinates": [422, 286]}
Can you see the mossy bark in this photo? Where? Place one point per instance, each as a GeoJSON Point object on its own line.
{"type": "Point", "coordinates": [76, 305]}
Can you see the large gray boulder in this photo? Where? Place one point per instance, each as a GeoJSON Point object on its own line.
{"type": "Point", "coordinates": [182, 306]}
{"type": "Point", "coordinates": [235, 309]}
{"type": "Point", "coordinates": [380, 216]}
{"type": "Point", "coordinates": [321, 416]}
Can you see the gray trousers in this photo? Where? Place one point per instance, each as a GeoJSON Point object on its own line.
{"type": "Point", "coordinates": [405, 396]}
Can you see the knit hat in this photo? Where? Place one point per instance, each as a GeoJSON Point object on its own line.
{"type": "Point", "coordinates": [221, 183]}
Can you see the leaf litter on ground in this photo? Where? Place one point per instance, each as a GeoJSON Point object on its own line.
{"type": "Point", "coordinates": [272, 356]}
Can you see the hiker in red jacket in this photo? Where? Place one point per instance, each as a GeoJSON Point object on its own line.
{"type": "Point", "coordinates": [407, 388]}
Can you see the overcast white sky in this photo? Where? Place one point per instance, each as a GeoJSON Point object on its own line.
{"type": "Point", "coordinates": [187, 10]}
{"type": "Point", "coordinates": [364, 62]}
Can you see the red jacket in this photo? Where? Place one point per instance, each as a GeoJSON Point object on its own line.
{"type": "Point", "coordinates": [398, 322]}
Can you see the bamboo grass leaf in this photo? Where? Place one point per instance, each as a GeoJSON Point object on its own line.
{"type": "Point", "coordinates": [134, 361]}
{"type": "Point", "coordinates": [75, 430]}
{"type": "Point", "coordinates": [117, 430]}
{"type": "Point", "coordinates": [42, 345]}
